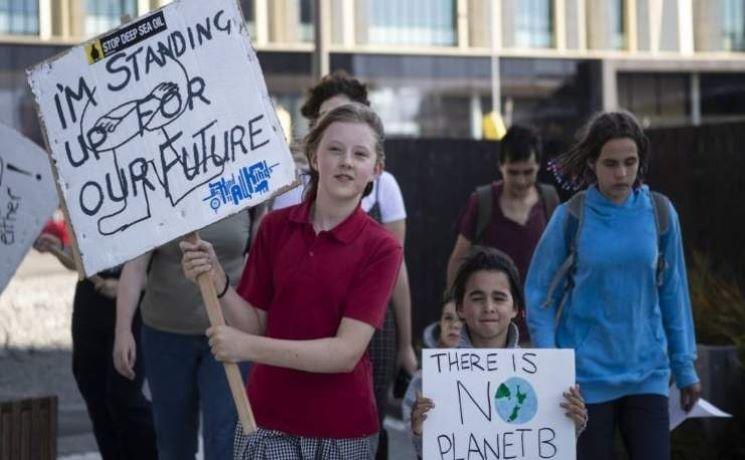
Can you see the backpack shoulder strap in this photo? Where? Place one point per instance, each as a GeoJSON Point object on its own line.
{"type": "Point", "coordinates": [549, 198]}
{"type": "Point", "coordinates": [661, 206]}
{"type": "Point", "coordinates": [563, 276]}
{"type": "Point", "coordinates": [576, 204]}
{"type": "Point", "coordinates": [484, 197]}
{"type": "Point", "coordinates": [661, 209]}
{"type": "Point", "coordinates": [575, 219]}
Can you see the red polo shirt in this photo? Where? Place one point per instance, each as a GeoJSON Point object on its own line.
{"type": "Point", "coordinates": [307, 283]}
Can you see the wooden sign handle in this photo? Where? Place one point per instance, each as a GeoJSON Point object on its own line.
{"type": "Point", "coordinates": [214, 312]}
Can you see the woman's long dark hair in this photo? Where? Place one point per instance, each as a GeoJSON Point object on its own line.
{"type": "Point", "coordinates": [349, 113]}
{"type": "Point", "coordinates": [572, 169]}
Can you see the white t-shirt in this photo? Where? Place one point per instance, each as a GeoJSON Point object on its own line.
{"type": "Point", "coordinates": [385, 189]}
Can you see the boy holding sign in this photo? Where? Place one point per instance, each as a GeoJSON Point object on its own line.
{"type": "Point", "coordinates": [488, 296]}
{"type": "Point", "coordinates": [315, 288]}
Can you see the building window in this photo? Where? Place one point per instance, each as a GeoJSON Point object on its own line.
{"type": "Point", "coordinates": [19, 17]}
{"type": "Point", "coordinates": [411, 22]}
{"type": "Point", "coordinates": [306, 20]}
{"type": "Point", "coordinates": [104, 15]}
{"type": "Point", "coordinates": [250, 15]}
{"type": "Point", "coordinates": [606, 25]}
{"type": "Point", "coordinates": [616, 24]}
{"type": "Point", "coordinates": [734, 25]}
{"type": "Point", "coordinates": [657, 99]}
{"type": "Point", "coordinates": [534, 24]}
{"type": "Point", "coordinates": [722, 97]}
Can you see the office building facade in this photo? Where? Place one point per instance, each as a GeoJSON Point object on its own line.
{"type": "Point", "coordinates": [430, 63]}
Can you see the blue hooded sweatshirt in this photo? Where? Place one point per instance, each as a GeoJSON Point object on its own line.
{"type": "Point", "coordinates": [627, 332]}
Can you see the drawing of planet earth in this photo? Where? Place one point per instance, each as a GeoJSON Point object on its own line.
{"type": "Point", "coordinates": [516, 401]}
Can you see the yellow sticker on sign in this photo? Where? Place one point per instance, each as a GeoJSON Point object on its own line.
{"type": "Point", "coordinates": [93, 51]}
{"type": "Point", "coordinates": [125, 37]}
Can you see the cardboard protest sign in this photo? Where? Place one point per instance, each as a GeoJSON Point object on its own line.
{"type": "Point", "coordinates": [27, 198]}
{"type": "Point", "coordinates": [498, 403]}
{"type": "Point", "coordinates": [159, 128]}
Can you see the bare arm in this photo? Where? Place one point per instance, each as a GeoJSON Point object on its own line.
{"type": "Point", "coordinates": [337, 354]}
{"type": "Point", "coordinates": [401, 298]}
{"type": "Point", "coordinates": [48, 243]}
{"type": "Point", "coordinates": [242, 315]}
{"type": "Point", "coordinates": [201, 258]}
{"type": "Point", "coordinates": [132, 281]}
{"type": "Point", "coordinates": [461, 248]}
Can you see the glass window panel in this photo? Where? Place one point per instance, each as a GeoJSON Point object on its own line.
{"type": "Point", "coordinates": [19, 17]}
{"type": "Point", "coordinates": [104, 15]}
{"type": "Point", "coordinates": [534, 24]}
{"type": "Point", "coordinates": [249, 13]}
{"type": "Point", "coordinates": [616, 24]}
{"type": "Point", "coordinates": [722, 96]}
{"type": "Point", "coordinates": [438, 95]}
{"type": "Point", "coordinates": [554, 95]}
{"type": "Point", "coordinates": [306, 8]}
{"type": "Point", "coordinates": [657, 99]}
{"type": "Point", "coordinates": [734, 25]}
{"type": "Point", "coordinates": [412, 22]}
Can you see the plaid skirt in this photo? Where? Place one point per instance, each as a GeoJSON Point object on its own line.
{"type": "Point", "coordinates": [276, 445]}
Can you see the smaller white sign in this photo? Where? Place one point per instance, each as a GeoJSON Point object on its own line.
{"type": "Point", "coordinates": [27, 198]}
{"type": "Point", "coordinates": [498, 403]}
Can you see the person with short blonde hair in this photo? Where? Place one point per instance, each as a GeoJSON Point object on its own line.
{"type": "Point", "coordinates": [315, 288]}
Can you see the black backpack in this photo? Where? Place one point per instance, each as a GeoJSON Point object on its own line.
{"type": "Point", "coordinates": [563, 281]}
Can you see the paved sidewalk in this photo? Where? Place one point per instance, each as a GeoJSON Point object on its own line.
{"type": "Point", "coordinates": [36, 346]}
{"type": "Point", "coordinates": [400, 447]}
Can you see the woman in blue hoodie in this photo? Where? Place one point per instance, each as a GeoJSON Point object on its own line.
{"type": "Point", "coordinates": [622, 300]}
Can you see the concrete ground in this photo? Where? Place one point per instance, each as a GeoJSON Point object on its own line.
{"type": "Point", "coordinates": [36, 357]}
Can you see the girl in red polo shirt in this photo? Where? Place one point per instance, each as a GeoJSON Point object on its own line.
{"type": "Point", "coordinates": [315, 287]}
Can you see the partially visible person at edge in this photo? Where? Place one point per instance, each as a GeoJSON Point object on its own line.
{"type": "Point", "coordinates": [391, 347]}
{"type": "Point", "coordinates": [315, 287]}
{"type": "Point", "coordinates": [120, 414]}
{"type": "Point", "coordinates": [509, 214]}
{"type": "Point", "coordinates": [629, 327]}
{"type": "Point", "coordinates": [444, 333]}
{"type": "Point", "coordinates": [183, 376]}
{"type": "Point", "coordinates": [488, 296]}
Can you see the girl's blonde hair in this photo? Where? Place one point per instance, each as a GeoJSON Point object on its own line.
{"type": "Point", "coordinates": [348, 113]}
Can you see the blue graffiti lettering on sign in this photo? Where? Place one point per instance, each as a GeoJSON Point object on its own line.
{"type": "Point", "coordinates": [252, 180]}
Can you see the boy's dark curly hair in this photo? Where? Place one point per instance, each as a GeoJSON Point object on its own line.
{"type": "Point", "coordinates": [481, 258]}
{"type": "Point", "coordinates": [337, 82]}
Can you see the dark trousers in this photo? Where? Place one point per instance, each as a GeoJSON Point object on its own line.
{"type": "Point", "coordinates": [121, 416]}
{"type": "Point", "coordinates": [644, 424]}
